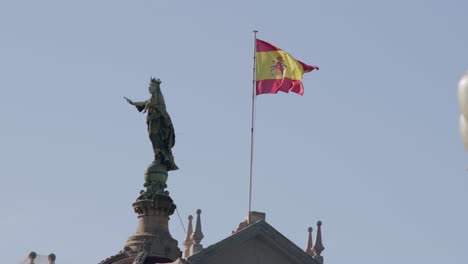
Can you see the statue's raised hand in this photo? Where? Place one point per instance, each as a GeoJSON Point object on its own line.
{"type": "Point", "coordinates": [129, 101]}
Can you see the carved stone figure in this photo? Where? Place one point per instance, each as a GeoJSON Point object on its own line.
{"type": "Point", "coordinates": [160, 128]}
{"type": "Point", "coordinates": [152, 242]}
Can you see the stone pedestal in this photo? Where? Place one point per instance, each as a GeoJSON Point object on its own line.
{"type": "Point", "coordinates": [152, 233]}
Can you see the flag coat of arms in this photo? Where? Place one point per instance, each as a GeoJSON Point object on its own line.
{"type": "Point", "coordinates": [276, 70]}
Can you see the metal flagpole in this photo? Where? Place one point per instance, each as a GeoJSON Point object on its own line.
{"type": "Point", "coordinates": [252, 121]}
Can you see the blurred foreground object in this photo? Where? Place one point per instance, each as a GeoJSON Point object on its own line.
{"type": "Point", "coordinates": [463, 101]}
{"type": "Point", "coordinates": [34, 258]}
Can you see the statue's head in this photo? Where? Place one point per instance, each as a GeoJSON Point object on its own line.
{"type": "Point", "coordinates": [154, 85]}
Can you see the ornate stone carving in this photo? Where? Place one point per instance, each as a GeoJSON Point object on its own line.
{"type": "Point", "coordinates": [152, 234]}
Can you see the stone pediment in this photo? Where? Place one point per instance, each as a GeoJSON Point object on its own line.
{"type": "Point", "coordinates": [258, 243]}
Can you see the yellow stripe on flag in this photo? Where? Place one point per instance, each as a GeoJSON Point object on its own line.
{"type": "Point", "coordinates": [275, 65]}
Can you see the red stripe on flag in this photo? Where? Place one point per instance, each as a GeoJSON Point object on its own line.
{"type": "Point", "coordinates": [308, 68]}
{"type": "Point", "coordinates": [265, 46]}
{"type": "Point", "coordinates": [283, 85]}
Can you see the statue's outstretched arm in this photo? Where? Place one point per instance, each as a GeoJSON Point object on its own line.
{"type": "Point", "coordinates": [140, 106]}
{"type": "Point", "coordinates": [129, 101]}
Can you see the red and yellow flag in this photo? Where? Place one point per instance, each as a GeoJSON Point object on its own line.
{"type": "Point", "coordinates": [278, 71]}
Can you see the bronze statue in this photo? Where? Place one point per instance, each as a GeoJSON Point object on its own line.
{"type": "Point", "coordinates": [160, 128]}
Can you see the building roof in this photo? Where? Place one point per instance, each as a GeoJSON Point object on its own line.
{"type": "Point", "coordinates": [256, 243]}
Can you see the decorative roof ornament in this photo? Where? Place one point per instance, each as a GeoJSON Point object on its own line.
{"type": "Point", "coordinates": [34, 258]}
{"type": "Point", "coordinates": [188, 239]}
{"type": "Point", "coordinates": [309, 250]}
{"type": "Point", "coordinates": [51, 258]}
{"type": "Point", "coordinates": [197, 235]}
{"type": "Point", "coordinates": [318, 247]}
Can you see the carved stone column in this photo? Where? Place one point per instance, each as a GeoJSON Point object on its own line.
{"type": "Point", "coordinates": [152, 233]}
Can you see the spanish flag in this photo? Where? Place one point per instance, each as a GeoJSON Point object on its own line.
{"type": "Point", "coordinates": [278, 71]}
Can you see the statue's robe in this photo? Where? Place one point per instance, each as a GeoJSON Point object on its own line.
{"type": "Point", "coordinates": [160, 129]}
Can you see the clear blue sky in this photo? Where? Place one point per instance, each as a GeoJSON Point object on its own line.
{"type": "Point", "coordinates": [372, 148]}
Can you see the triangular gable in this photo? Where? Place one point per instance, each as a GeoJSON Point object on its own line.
{"type": "Point", "coordinates": [257, 243]}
